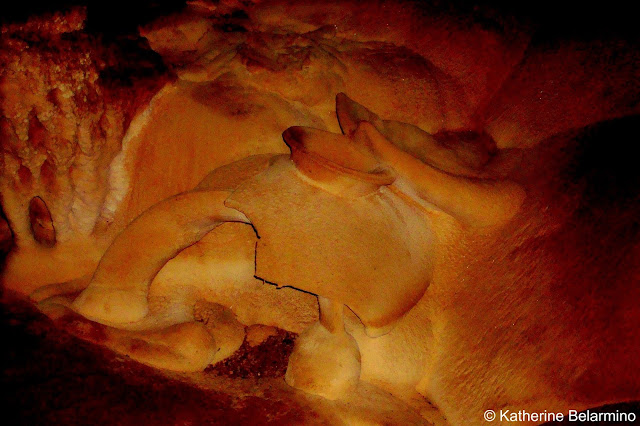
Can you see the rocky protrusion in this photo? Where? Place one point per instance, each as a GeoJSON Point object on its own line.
{"type": "Point", "coordinates": [42, 227]}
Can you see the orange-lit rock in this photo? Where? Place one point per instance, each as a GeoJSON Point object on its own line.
{"type": "Point", "coordinates": [477, 215]}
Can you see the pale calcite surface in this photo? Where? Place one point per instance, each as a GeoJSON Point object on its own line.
{"type": "Point", "coordinates": [234, 95]}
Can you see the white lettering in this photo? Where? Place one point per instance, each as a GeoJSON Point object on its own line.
{"type": "Point", "coordinates": [508, 416]}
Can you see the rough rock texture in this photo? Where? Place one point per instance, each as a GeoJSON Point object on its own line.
{"type": "Point", "coordinates": [52, 377]}
{"type": "Point", "coordinates": [66, 99]}
{"type": "Point", "coordinates": [267, 358]}
{"type": "Point", "coordinates": [246, 71]}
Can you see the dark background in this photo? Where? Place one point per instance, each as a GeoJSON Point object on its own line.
{"type": "Point", "coordinates": [555, 18]}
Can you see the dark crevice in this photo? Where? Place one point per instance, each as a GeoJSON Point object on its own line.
{"type": "Point", "coordinates": [42, 229]}
{"type": "Point", "coordinates": [7, 238]}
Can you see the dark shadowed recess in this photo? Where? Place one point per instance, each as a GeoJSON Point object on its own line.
{"type": "Point", "coordinates": [555, 19]}
{"type": "Point", "coordinates": [53, 378]}
{"type": "Point", "coordinates": [606, 159]}
{"type": "Point", "coordinates": [552, 18]}
{"type": "Point", "coordinates": [111, 17]}
{"type": "Point", "coordinates": [604, 174]}
{"type": "Point", "coordinates": [6, 236]}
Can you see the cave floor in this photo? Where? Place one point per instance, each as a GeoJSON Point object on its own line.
{"type": "Point", "coordinates": [52, 377]}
